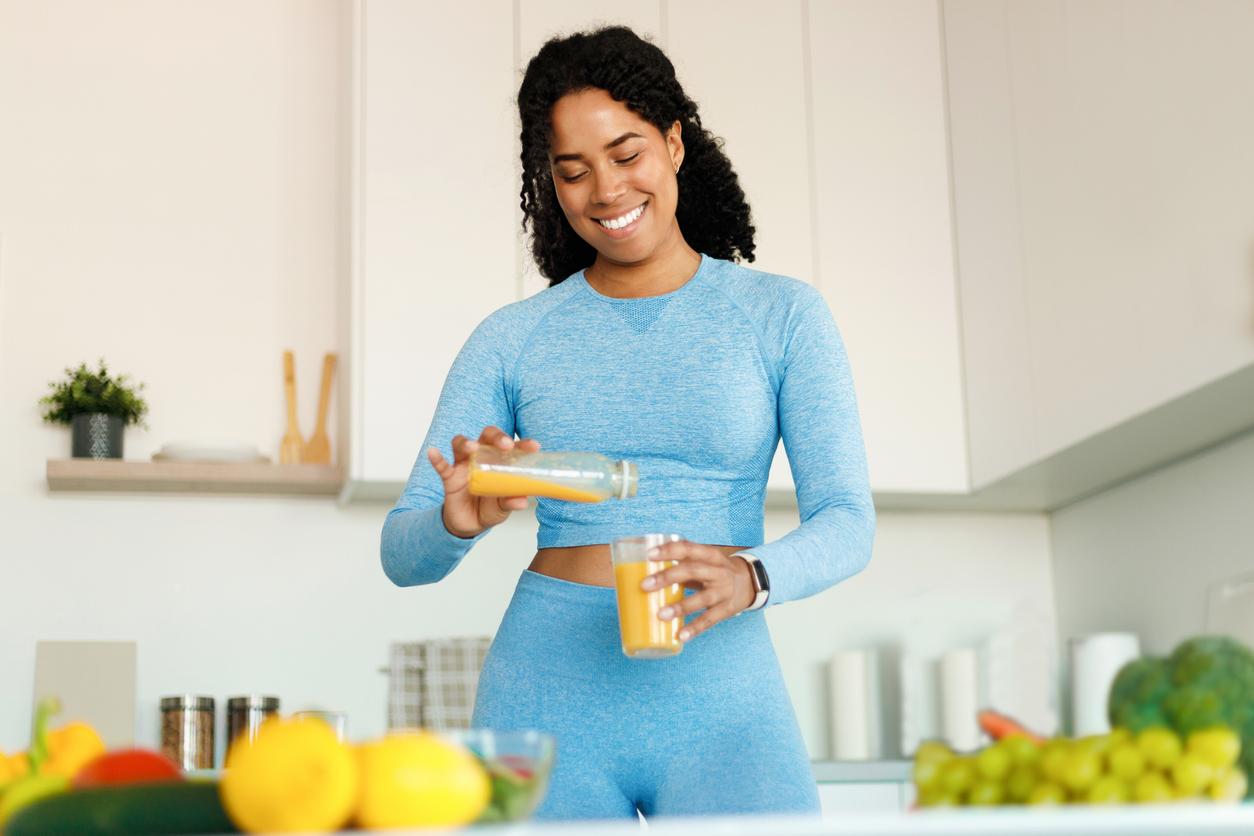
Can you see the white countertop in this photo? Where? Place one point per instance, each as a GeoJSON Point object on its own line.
{"type": "Point", "coordinates": [861, 772]}
{"type": "Point", "coordinates": [1132, 820]}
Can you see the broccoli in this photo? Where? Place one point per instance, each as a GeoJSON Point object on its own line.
{"type": "Point", "coordinates": [1206, 681]}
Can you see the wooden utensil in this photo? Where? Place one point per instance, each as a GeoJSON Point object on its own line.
{"type": "Point", "coordinates": [317, 449]}
{"type": "Point", "coordinates": [290, 446]}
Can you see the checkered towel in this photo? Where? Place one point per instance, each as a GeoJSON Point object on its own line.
{"type": "Point", "coordinates": [432, 683]}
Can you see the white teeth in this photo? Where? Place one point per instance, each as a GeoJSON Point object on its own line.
{"type": "Point", "coordinates": [630, 217]}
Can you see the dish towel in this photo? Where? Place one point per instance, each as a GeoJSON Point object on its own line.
{"type": "Point", "coordinates": [432, 683]}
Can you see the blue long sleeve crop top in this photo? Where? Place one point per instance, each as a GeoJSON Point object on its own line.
{"type": "Point", "coordinates": [697, 387]}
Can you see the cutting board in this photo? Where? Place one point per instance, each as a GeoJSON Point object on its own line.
{"type": "Point", "coordinates": [95, 682]}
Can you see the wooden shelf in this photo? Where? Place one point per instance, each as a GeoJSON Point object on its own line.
{"type": "Point", "coordinates": [193, 477]}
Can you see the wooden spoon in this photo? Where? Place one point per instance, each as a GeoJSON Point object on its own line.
{"type": "Point", "coordinates": [317, 449]}
{"type": "Point", "coordinates": [290, 446]}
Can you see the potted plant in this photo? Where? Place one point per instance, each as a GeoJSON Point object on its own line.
{"type": "Point", "coordinates": [97, 407]}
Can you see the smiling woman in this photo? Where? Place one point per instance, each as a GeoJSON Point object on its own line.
{"type": "Point", "coordinates": [608, 130]}
{"type": "Point", "coordinates": [651, 345]}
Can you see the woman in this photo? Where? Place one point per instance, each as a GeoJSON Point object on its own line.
{"type": "Point", "coordinates": [651, 345]}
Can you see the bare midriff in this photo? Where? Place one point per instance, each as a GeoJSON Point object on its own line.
{"type": "Point", "coordinates": [586, 564]}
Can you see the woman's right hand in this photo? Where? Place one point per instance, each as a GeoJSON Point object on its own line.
{"type": "Point", "coordinates": [467, 515]}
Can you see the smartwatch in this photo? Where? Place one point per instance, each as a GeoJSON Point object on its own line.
{"type": "Point", "coordinates": [761, 583]}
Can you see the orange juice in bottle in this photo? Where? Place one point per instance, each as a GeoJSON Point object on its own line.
{"type": "Point", "coordinates": [644, 635]}
{"type": "Point", "coordinates": [574, 477]}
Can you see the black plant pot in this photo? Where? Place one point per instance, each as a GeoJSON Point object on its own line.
{"type": "Point", "coordinates": [97, 436]}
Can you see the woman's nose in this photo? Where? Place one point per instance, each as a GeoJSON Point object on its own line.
{"type": "Point", "coordinates": [609, 187]}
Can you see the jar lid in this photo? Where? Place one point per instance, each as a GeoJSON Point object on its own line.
{"type": "Point", "coordinates": [186, 702]}
{"type": "Point", "coordinates": [253, 701]}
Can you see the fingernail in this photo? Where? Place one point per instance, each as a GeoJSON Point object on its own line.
{"type": "Point", "coordinates": [648, 583]}
{"type": "Point", "coordinates": [683, 635]}
{"type": "Point", "coordinates": [665, 613]}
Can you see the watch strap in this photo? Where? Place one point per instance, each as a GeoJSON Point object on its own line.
{"type": "Point", "coordinates": [761, 583]}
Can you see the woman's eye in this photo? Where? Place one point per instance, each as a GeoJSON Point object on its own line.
{"type": "Point", "coordinates": [628, 159]}
{"type": "Point", "coordinates": [572, 179]}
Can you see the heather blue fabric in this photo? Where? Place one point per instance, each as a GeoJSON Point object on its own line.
{"type": "Point", "coordinates": [697, 387]}
{"type": "Point", "coordinates": [710, 731]}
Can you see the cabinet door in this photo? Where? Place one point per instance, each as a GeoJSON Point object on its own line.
{"type": "Point", "coordinates": [434, 198]}
{"type": "Point", "coordinates": [539, 20]}
{"type": "Point", "coordinates": [744, 64]}
{"type": "Point", "coordinates": [1103, 183]}
{"type": "Point", "coordinates": [884, 233]}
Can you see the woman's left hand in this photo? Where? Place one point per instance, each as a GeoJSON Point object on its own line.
{"type": "Point", "coordinates": [722, 583]}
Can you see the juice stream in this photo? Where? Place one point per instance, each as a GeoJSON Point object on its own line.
{"type": "Point", "coordinates": [497, 483]}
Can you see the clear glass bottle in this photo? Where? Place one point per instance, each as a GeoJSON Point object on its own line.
{"type": "Point", "coordinates": [574, 477]}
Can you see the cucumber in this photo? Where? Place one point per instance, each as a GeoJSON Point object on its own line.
{"type": "Point", "coordinates": [173, 807]}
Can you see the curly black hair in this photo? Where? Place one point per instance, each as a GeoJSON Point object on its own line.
{"type": "Point", "coordinates": [712, 211]}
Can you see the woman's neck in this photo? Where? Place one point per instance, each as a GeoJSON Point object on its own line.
{"type": "Point", "coordinates": [665, 270]}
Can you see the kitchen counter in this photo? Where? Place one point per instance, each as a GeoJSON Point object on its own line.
{"type": "Point", "coordinates": [1146, 820]}
{"type": "Point", "coordinates": [861, 772]}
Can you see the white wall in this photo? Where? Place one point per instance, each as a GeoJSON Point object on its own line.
{"type": "Point", "coordinates": [172, 199]}
{"type": "Point", "coordinates": [1141, 556]}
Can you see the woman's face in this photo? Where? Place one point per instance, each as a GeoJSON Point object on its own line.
{"type": "Point", "coordinates": [612, 166]}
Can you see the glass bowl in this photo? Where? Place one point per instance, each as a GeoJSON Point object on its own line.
{"type": "Point", "coordinates": [518, 764]}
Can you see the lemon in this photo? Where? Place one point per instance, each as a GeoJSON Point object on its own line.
{"type": "Point", "coordinates": [295, 775]}
{"type": "Point", "coordinates": [419, 779]}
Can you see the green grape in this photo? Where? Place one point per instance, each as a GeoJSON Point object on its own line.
{"type": "Point", "coordinates": [1020, 783]}
{"type": "Point", "coordinates": [1119, 735]}
{"type": "Point", "coordinates": [1047, 793]}
{"type": "Point", "coordinates": [1082, 768]}
{"type": "Point", "coordinates": [1190, 775]}
{"type": "Point", "coordinates": [933, 751]}
{"type": "Point", "coordinates": [986, 793]}
{"type": "Point", "coordinates": [1218, 746]}
{"type": "Point", "coordinates": [1229, 785]}
{"type": "Point", "coordinates": [1161, 747]}
{"type": "Point", "coordinates": [937, 797]}
{"type": "Point", "coordinates": [1054, 758]}
{"type": "Point", "coordinates": [993, 762]}
{"type": "Point", "coordinates": [1152, 788]}
{"type": "Point", "coordinates": [926, 774]}
{"type": "Point", "coordinates": [958, 775]}
{"type": "Point", "coordinates": [1126, 761]}
{"type": "Point", "coordinates": [1107, 790]}
{"type": "Point", "coordinates": [1023, 750]}
{"type": "Point", "coordinates": [1097, 743]}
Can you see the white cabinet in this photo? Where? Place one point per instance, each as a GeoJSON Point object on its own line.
{"type": "Point", "coordinates": [1102, 192]}
{"type": "Point", "coordinates": [832, 115]}
{"type": "Point", "coordinates": [433, 213]}
{"type": "Point", "coordinates": [883, 233]}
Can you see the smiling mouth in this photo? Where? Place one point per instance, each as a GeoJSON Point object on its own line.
{"type": "Point", "coordinates": [623, 221]}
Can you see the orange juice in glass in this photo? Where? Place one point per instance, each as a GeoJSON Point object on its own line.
{"type": "Point", "coordinates": [644, 635]}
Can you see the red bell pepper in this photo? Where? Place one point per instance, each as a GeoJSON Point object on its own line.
{"type": "Point", "coordinates": [127, 766]}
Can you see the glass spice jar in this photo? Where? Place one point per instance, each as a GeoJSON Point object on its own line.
{"type": "Point", "coordinates": [245, 714]}
{"type": "Point", "coordinates": [187, 731]}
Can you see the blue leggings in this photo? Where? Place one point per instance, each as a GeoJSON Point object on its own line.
{"type": "Point", "coordinates": [710, 731]}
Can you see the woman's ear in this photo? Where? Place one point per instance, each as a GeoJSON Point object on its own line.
{"type": "Point", "coordinates": [675, 144]}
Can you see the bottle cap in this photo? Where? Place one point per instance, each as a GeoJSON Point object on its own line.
{"type": "Point", "coordinates": [628, 479]}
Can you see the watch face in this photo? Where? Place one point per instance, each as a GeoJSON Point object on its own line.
{"type": "Point", "coordinates": [759, 574]}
